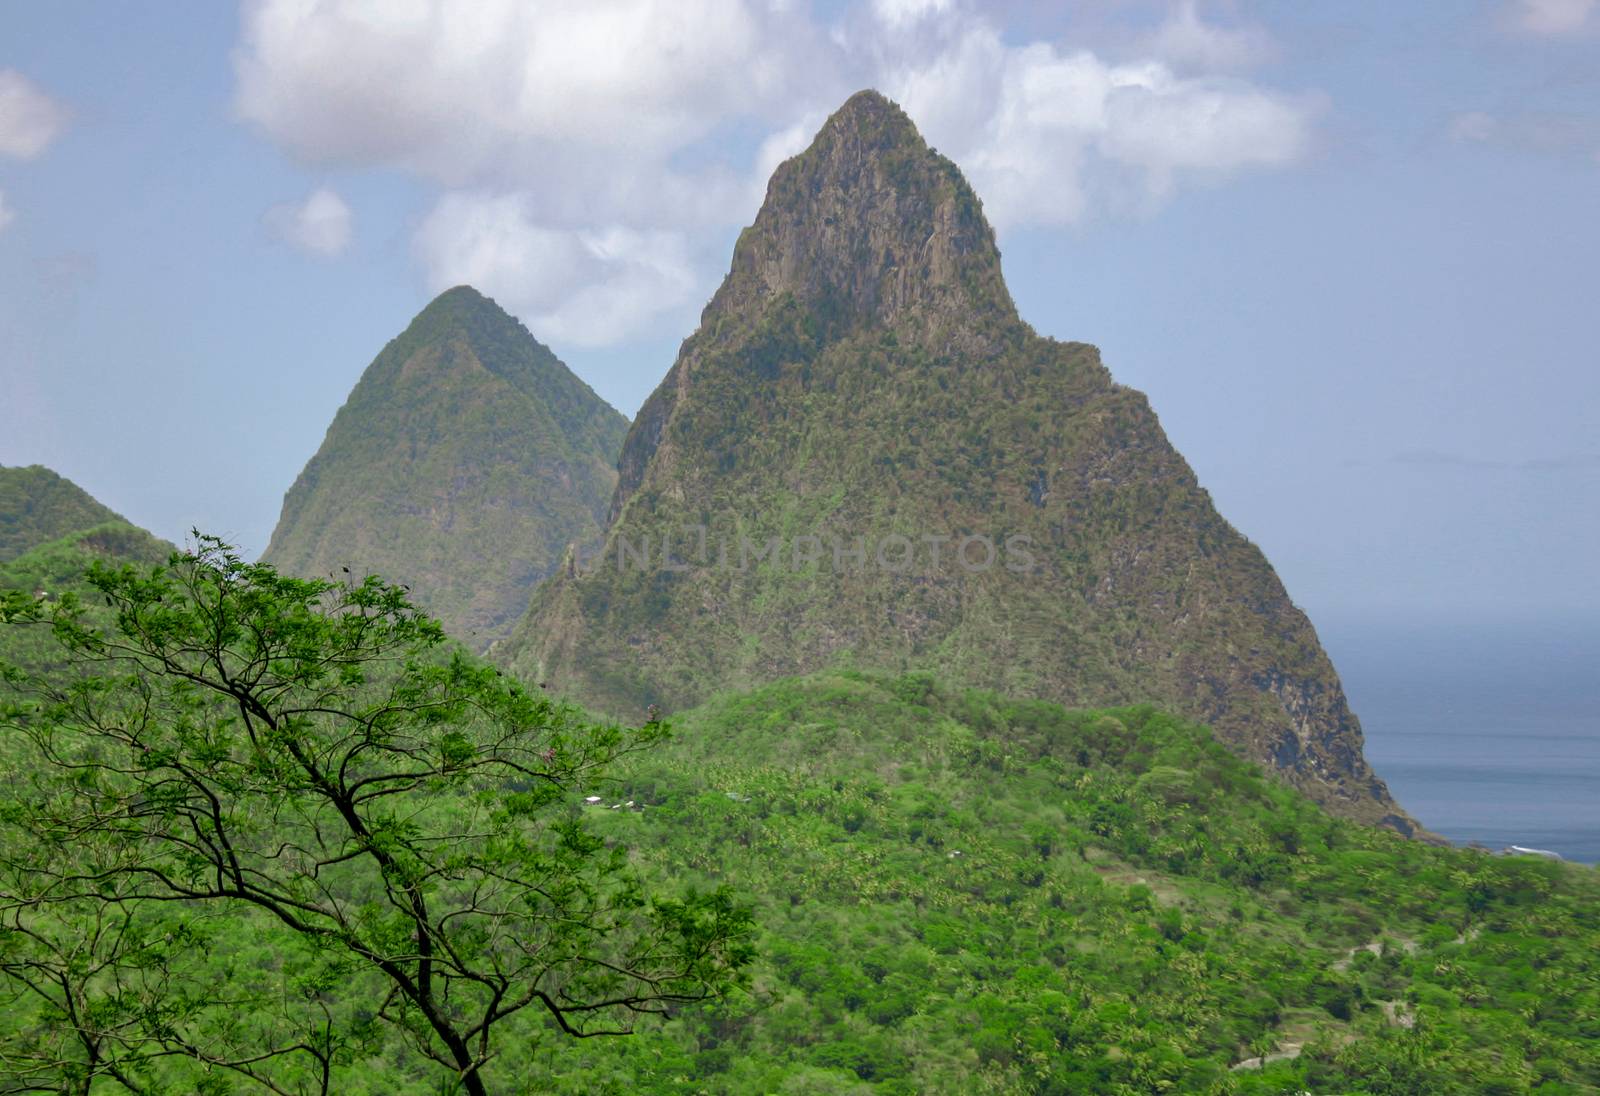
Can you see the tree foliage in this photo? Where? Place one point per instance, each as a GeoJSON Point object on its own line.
{"type": "Point", "coordinates": [392, 824]}
{"type": "Point", "coordinates": [960, 892]}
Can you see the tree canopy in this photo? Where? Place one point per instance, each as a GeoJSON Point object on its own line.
{"type": "Point", "coordinates": [391, 831]}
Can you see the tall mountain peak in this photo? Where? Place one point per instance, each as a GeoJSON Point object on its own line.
{"type": "Point", "coordinates": [867, 227]}
{"type": "Point", "coordinates": [859, 407]}
{"type": "Point", "coordinates": [869, 223]}
{"type": "Point", "coordinates": [465, 461]}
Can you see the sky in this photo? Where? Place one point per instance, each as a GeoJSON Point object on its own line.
{"type": "Point", "coordinates": [1348, 250]}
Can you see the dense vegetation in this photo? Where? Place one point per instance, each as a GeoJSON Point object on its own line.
{"type": "Point", "coordinates": [862, 375]}
{"type": "Point", "coordinates": [37, 505]}
{"type": "Point", "coordinates": [464, 463]}
{"type": "Point", "coordinates": [954, 892]}
{"type": "Point", "coordinates": [51, 568]}
{"type": "Point", "coordinates": [258, 831]}
{"type": "Point", "coordinates": [961, 893]}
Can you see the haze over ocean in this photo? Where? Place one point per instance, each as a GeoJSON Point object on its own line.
{"type": "Point", "coordinates": [1487, 731]}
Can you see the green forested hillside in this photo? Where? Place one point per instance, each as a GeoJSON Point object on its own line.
{"type": "Point", "coordinates": [38, 506]}
{"type": "Point", "coordinates": [464, 463]}
{"type": "Point", "coordinates": [954, 892]}
{"type": "Point", "coordinates": [52, 569]}
{"type": "Point", "coordinates": [59, 564]}
{"type": "Point", "coordinates": [960, 893]}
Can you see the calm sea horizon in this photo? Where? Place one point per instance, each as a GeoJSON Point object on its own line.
{"type": "Point", "coordinates": [1486, 730]}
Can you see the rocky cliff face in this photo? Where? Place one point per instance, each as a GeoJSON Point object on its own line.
{"type": "Point", "coordinates": [465, 462]}
{"type": "Point", "coordinates": [864, 457]}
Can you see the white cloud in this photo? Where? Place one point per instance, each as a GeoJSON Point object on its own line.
{"type": "Point", "coordinates": [319, 226]}
{"type": "Point", "coordinates": [7, 214]}
{"type": "Point", "coordinates": [904, 13]}
{"type": "Point", "coordinates": [1552, 17]}
{"type": "Point", "coordinates": [1164, 124]}
{"type": "Point", "coordinates": [468, 91]}
{"type": "Point", "coordinates": [563, 130]}
{"type": "Point", "coordinates": [1187, 41]}
{"type": "Point", "coordinates": [587, 287]}
{"type": "Point", "coordinates": [29, 119]}
{"type": "Point", "coordinates": [1053, 137]}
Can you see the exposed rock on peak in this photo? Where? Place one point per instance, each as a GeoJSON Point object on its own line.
{"type": "Point", "coordinates": [869, 223]}
{"type": "Point", "coordinates": [867, 227]}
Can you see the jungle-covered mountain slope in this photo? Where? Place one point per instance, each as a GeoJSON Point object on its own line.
{"type": "Point", "coordinates": [861, 397]}
{"type": "Point", "coordinates": [38, 506]}
{"type": "Point", "coordinates": [465, 462]}
{"type": "Point", "coordinates": [958, 892]}
{"type": "Point", "coordinates": [57, 567]}
{"type": "Point", "coordinates": [955, 893]}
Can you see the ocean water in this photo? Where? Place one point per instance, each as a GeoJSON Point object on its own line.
{"type": "Point", "coordinates": [1486, 730]}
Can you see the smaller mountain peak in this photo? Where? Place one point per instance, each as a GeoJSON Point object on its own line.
{"type": "Point", "coordinates": [460, 302]}
{"type": "Point", "coordinates": [462, 313]}
{"type": "Point", "coordinates": [464, 331]}
{"type": "Point", "coordinates": [463, 294]}
{"type": "Point", "coordinates": [465, 459]}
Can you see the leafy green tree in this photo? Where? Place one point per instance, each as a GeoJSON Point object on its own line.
{"type": "Point", "coordinates": [399, 825]}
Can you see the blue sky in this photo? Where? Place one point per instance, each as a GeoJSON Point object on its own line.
{"type": "Point", "coordinates": [1348, 250]}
